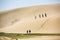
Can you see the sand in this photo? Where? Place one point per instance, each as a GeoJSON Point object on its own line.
{"type": "Point", "coordinates": [22, 19]}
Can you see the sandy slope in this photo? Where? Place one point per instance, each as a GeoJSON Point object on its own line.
{"type": "Point", "coordinates": [22, 19]}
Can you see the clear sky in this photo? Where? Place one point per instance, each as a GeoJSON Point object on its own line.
{"type": "Point", "coordinates": [11, 4]}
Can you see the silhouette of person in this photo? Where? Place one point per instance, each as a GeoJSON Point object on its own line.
{"type": "Point", "coordinates": [29, 31]}
{"type": "Point", "coordinates": [45, 15]}
{"type": "Point", "coordinates": [42, 15]}
{"type": "Point", "coordinates": [35, 17]}
{"type": "Point", "coordinates": [39, 16]}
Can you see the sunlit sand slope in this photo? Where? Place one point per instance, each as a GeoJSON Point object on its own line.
{"type": "Point", "coordinates": [31, 18]}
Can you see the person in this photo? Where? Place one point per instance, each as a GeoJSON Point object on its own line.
{"type": "Point", "coordinates": [42, 15]}
{"type": "Point", "coordinates": [39, 16]}
{"type": "Point", "coordinates": [35, 17]}
{"type": "Point", "coordinates": [29, 31]}
{"type": "Point", "coordinates": [45, 15]}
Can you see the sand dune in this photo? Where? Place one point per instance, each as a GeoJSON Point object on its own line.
{"type": "Point", "coordinates": [22, 19]}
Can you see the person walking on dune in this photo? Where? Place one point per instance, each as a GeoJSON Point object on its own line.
{"type": "Point", "coordinates": [29, 31]}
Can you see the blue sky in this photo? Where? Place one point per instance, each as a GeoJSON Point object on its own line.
{"type": "Point", "coordinates": [12, 4]}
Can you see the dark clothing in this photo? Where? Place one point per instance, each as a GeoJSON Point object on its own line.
{"type": "Point", "coordinates": [27, 31]}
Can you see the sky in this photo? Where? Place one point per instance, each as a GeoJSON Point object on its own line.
{"type": "Point", "coordinates": [12, 4]}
